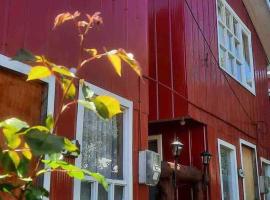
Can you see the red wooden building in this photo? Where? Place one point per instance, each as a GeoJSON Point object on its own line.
{"type": "Point", "coordinates": [208, 86]}
{"type": "Point", "coordinates": [204, 80]}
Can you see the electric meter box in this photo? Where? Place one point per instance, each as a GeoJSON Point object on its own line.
{"type": "Point", "coordinates": [149, 167]}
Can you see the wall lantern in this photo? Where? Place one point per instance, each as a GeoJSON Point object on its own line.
{"type": "Point", "coordinates": [206, 157]}
{"type": "Point", "coordinates": [177, 147]}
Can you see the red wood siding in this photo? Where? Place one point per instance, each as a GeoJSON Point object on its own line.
{"type": "Point", "coordinates": [166, 60]}
{"type": "Point", "coordinates": [28, 24]}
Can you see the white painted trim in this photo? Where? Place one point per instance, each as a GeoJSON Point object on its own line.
{"type": "Point", "coordinates": [248, 32]}
{"type": "Point", "coordinates": [127, 145]}
{"type": "Point", "coordinates": [233, 167]}
{"type": "Point", "coordinates": [158, 138]}
{"type": "Point", "coordinates": [253, 146]}
{"type": "Point", "coordinates": [22, 68]}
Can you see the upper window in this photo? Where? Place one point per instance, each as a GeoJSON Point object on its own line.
{"type": "Point", "coordinates": [106, 147]}
{"type": "Point", "coordinates": [235, 49]}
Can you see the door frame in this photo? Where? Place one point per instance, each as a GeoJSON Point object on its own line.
{"type": "Point", "coordinates": [252, 146]}
{"type": "Point", "coordinates": [22, 68]}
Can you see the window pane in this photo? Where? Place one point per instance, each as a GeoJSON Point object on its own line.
{"type": "Point", "coordinates": [118, 192]}
{"type": "Point", "coordinates": [102, 145]}
{"type": "Point", "coordinates": [237, 48]}
{"type": "Point", "coordinates": [235, 27]}
{"type": "Point", "coordinates": [246, 48]}
{"type": "Point", "coordinates": [102, 193]}
{"type": "Point", "coordinates": [85, 191]}
{"type": "Point", "coordinates": [230, 41]}
{"type": "Point", "coordinates": [221, 34]}
{"type": "Point", "coordinates": [228, 19]}
{"type": "Point", "coordinates": [226, 170]}
{"type": "Point", "coordinates": [230, 66]}
{"type": "Point", "coordinates": [153, 145]}
{"type": "Point", "coordinates": [238, 71]}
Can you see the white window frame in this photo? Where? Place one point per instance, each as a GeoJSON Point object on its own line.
{"type": "Point", "coordinates": [127, 148]}
{"type": "Point", "coordinates": [252, 146]}
{"type": "Point", "coordinates": [234, 167]}
{"type": "Point", "coordinates": [264, 161]}
{"type": "Point", "coordinates": [22, 68]}
{"type": "Point", "coordinates": [241, 28]}
{"type": "Point", "coordinates": [157, 138]}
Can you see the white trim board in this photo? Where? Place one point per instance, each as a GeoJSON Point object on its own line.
{"type": "Point", "coordinates": [253, 146]}
{"type": "Point", "coordinates": [22, 68]}
{"type": "Point", "coordinates": [127, 146]}
{"type": "Point", "coordinates": [233, 167]}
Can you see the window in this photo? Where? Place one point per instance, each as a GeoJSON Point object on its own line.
{"type": "Point", "coordinates": [266, 173]}
{"type": "Point", "coordinates": [235, 49]}
{"type": "Point", "coordinates": [155, 144]}
{"type": "Point", "coordinates": [249, 165]}
{"type": "Point", "coordinates": [228, 171]}
{"type": "Point", "coordinates": [106, 147]}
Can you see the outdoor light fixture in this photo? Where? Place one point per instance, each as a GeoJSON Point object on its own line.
{"type": "Point", "coordinates": [206, 157]}
{"type": "Point", "coordinates": [177, 147]}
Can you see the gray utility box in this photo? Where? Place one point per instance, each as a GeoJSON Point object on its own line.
{"type": "Point", "coordinates": [149, 167]}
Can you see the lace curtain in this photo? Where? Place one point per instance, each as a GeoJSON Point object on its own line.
{"type": "Point", "coordinates": [102, 145]}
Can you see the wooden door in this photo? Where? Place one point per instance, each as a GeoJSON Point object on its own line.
{"type": "Point", "coordinates": [24, 100]}
{"type": "Point", "coordinates": [251, 179]}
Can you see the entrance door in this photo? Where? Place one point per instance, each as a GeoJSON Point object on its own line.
{"type": "Point", "coordinates": [251, 177]}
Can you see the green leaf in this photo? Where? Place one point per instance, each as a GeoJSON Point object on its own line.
{"type": "Point", "coordinates": [14, 123]}
{"type": "Point", "coordinates": [49, 122]}
{"type": "Point", "coordinates": [27, 153]}
{"type": "Point", "coordinates": [98, 177]}
{"type": "Point", "coordinates": [69, 87]}
{"type": "Point", "coordinates": [87, 92]}
{"type": "Point", "coordinates": [115, 60]}
{"type": "Point", "coordinates": [7, 187]}
{"type": "Point", "coordinates": [35, 193]}
{"type": "Point", "coordinates": [42, 171]}
{"type": "Point", "coordinates": [6, 162]}
{"type": "Point", "coordinates": [38, 72]}
{"type": "Point", "coordinates": [42, 142]}
{"type": "Point", "coordinates": [107, 106]}
{"type": "Point", "coordinates": [13, 140]}
{"type": "Point", "coordinates": [22, 168]}
{"type": "Point", "coordinates": [14, 156]}
{"type": "Point", "coordinates": [88, 104]}
{"type": "Point", "coordinates": [69, 146]}
{"type": "Point", "coordinates": [56, 156]}
{"type": "Point", "coordinates": [63, 71]}
{"type": "Point", "coordinates": [71, 170]}
{"type": "Point", "coordinates": [24, 56]}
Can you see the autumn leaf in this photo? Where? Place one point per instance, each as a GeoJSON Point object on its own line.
{"type": "Point", "coordinates": [38, 72]}
{"type": "Point", "coordinates": [129, 59]}
{"type": "Point", "coordinates": [107, 106]}
{"type": "Point", "coordinates": [68, 88]}
{"type": "Point", "coordinates": [115, 60]}
{"type": "Point", "coordinates": [63, 17]}
{"type": "Point", "coordinates": [63, 71]}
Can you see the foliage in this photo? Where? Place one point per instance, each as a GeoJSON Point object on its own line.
{"type": "Point", "coordinates": [24, 144]}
